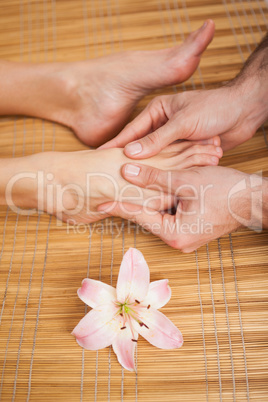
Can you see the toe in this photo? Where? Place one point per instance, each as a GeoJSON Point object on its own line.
{"type": "Point", "coordinates": [213, 141]}
{"type": "Point", "coordinates": [201, 149]}
{"type": "Point", "coordinates": [201, 38]}
{"type": "Point", "coordinates": [183, 60]}
{"type": "Point", "coordinates": [200, 160]}
{"type": "Point", "coordinates": [193, 155]}
{"type": "Point", "coordinates": [186, 154]}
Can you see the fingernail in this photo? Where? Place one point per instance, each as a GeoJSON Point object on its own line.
{"type": "Point", "coordinates": [214, 159]}
{"type": "Point", "coordinates": [134, 149]}
{"type": "Point", "coordinates": [218, 150]}
{"type": "Point", "coordinates": [132, 170]}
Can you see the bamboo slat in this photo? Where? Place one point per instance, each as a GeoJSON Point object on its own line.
{"type": "Point", "coordinates": [219, 293]}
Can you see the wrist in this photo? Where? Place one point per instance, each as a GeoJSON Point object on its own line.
{"type": "Point", "coordinates": [255, 92]}
{"type": "Point", "coordinates": [248, 202]}
{"type": "Point", "coordinates": [251, 91]}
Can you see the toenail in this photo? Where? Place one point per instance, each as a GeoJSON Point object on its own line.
{"type": "Point", "coordinates": [218, 150]}
{"type": "Point", "coordinates": [132, 170]}
{"type": "Point", "coordinates": [134, 149]}
{"type": "Point", "coordinates": [204, 25]}
{"type": "Point", "coordinates": [214, 159]}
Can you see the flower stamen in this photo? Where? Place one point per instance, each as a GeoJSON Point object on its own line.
{"type": "Point", "coordinates": [142, 324]}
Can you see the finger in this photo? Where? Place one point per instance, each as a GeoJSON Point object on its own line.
{"type": "Point", "coordinates": [150, 119]}
{"type": "Point", "coordinates": [149, 198]}
{"type": "Point", "coordinates": [170, 182]}
{"type": "Point", "coordinates": [161, 202]}
{"type": "Point", "coordinates": [140, 126]}
{"type": "Point", "coordinates": [153, 143]}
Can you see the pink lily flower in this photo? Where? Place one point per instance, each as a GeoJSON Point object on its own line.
{"type": "Point", "coordinates": [119, 315]}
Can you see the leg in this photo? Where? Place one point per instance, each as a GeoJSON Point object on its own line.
{"type": "Point", "coordinates": [95, 98]}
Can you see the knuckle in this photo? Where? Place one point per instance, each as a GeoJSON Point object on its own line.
{"type": "Point", "coordinates": [153, 105]}
{"type": "Point", "coordinates": [162, 100]}
{"type": "Point", "coordinates": [181, 99]}
{"type": "Point", "coordinates": [132, 131]}
{"type": "Point", "coordinates": [127, 126]}
{"type": "Point", "coordinates": [153, 140]}
{"type": "Point", "coordinates": [158, 100]}
{"type": "Point", "coordinates": [152, 176]}
{"type": "Point", "coordinates": [177, 243]}
{"type": "Point", "coordinates": [176, 183]}
{"type": "Point", "coordinates": [155, 101]}
{"type": "Point", "coordinates": [190, 245]}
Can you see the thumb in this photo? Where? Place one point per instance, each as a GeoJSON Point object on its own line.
{"type": "Point", "coordinates": [179, 182]}
{"type": "Point", "coordinates": [154, 115]}
{"type": "Point", "coordinates": [153, 143]}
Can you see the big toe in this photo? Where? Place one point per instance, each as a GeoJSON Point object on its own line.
{"type": "Point", "coordinates": [184, 59]}
{"type": "Point", "coordinates": [198, 40]}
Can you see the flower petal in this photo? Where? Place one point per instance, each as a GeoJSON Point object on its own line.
{"type": "Point", "coordinates": [124, 348]}
{"type": "Point", "coordinates": [158, 295]}
{"type": "Point", "coordinates": [161, 332]}
{"type": "Point", "coordinates": [134, 277]}
{"type": "Point", "coordinates": [94, 292]}
{"type": "Point", "coordinates": [98, 328]}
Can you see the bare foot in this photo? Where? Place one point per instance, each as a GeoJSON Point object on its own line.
{"type": "Point", "coordinates": [71, 185]}
{"type": "Point", "coordinates": [87, 179]}
{"type": "Point", "coordinates": [96, 97]}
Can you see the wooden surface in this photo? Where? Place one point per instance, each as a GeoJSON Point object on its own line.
{"type": "Point", "coordinates": [220, 293]}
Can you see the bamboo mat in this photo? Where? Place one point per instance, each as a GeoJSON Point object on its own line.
{"type": "Point", "coordinates": [219, 294]}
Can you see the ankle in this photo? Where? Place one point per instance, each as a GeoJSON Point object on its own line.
{"type": "Point", "coordinates": [19, 186]}
{"type": "Point", "coordinates": [60, 94]}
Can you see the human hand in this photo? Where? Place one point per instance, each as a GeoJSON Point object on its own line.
{"type": "Point", "coordinates": [232, 112]}
{"type": "Point", "coordinates": [212, 201]}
